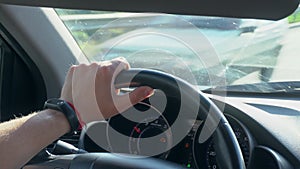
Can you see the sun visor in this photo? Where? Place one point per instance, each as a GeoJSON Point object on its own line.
{"type": "Point", "coordinates": [264, 9]}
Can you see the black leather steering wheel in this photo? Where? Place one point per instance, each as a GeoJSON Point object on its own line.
{"type": "Point", "coordinates": [226, 144]}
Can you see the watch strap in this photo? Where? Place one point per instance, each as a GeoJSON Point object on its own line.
{"type": "Point", "coordinates": [63, 107]}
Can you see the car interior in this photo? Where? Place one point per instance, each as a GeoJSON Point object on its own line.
{"type": "Point", "coordinates": [225, 76]}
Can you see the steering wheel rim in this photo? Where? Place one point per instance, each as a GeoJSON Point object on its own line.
{"type": "Point", "coordinates": [226, 144]}
{"type": "Point", "coordinates": [231, 155]}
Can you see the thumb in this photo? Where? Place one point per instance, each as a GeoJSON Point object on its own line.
{"type": "Point", "coordinates": [127, 100]}
{"type": "Point", "coordinates": [140, 94]}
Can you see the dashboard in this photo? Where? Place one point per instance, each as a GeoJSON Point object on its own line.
{"type": "Point", "coordinates": [189, 152]}
{"type": "Point", "coordinates": [259, 124]}
{"type": "Point", "coordinates": [203, 155]}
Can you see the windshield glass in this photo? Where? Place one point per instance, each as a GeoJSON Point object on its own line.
{"type": "Point", "coordinates": [205, 51]}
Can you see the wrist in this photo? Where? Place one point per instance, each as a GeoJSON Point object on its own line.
{"type": "Point", "coordinates": [66, 109]}
{"type": "Point", "coordinates": [81, 123]}
{"type": "Point", "coordinates": [58, 120]}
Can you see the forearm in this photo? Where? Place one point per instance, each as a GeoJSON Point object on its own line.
{"type": "Point", "coordinates": [22, 138]}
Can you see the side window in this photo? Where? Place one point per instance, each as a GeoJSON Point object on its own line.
{"type": "Point", "coordinates": [22, 89]}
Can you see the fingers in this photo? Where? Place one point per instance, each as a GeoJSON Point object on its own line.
{"type": "Point", "coordinates": [83, 92]}
{"type": "Point", "coordinates": [110, 103]}
{"type": "Point", "coordinates": [106, 94]}
{"type": "Point", "coordinates": [119, 64]}
{"type": "Point", "coordinates": [108, 70]}
{"type": "Point", "coordinates": [93, 91]}
{"type": "Point", "coordinates": [66, 92]}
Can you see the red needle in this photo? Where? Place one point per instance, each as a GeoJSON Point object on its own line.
{"type": "Point", "coordinates": [137, 129]}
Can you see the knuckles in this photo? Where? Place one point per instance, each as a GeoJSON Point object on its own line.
{"type": "Point", "coordinates": [105, 67]}
{"type": "Point", "coordinates": [105, 70]}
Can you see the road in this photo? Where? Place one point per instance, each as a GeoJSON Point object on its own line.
{"type": "Point", "coordinates": [286, 68]}
{"type": "Point", "coordinates": [288, 63]}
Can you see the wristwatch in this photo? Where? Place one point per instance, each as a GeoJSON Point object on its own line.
{"type": "Point", "coordinates": [64, 107]}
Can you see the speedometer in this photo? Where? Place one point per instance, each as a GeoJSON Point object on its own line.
{"type": "Point", "coordinates": [205, 155]}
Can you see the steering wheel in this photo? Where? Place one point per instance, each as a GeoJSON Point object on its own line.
{"type": "Point", "coordinates": [226, 144]}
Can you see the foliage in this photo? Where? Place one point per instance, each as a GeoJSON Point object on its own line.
{"type": "Point", "coordinates": [295, 17]}
{"type": "Point", "coordinates": [80, 37]}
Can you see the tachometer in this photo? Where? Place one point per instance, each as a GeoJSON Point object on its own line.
{"type": "Point", "coordinates": [151, 137]}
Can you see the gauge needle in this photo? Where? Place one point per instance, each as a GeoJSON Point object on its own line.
{"type": "Point", "coordinates": [137, 129]}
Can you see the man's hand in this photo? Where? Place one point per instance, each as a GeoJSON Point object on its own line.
{"type": "Point", "coordinates": [91, 89]}
{"type": "Point", "coordinates": [86, 86]}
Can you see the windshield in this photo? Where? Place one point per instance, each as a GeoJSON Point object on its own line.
{"type": "Point", "coordinates": [205, 51]}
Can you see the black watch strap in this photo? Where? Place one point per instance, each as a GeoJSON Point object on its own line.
{"type": "Point", "coordinates": [66, 109]}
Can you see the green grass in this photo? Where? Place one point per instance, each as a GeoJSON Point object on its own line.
{"type": "Point", "coordinates": [294, 17]}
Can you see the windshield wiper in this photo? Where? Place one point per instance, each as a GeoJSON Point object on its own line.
{"type": "Point", "coordinates": [265, 87]}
